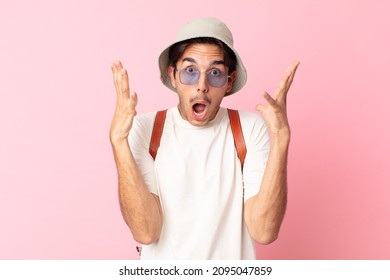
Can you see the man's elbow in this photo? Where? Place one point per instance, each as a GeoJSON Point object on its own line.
{"type": "Point", "coordinates": [146, 236]}
{"type": "Point", "coordinates": [146, 239]}
{"type": "Point", "coordinates": [265, 239]}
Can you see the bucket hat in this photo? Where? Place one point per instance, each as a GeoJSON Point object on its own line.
{"type": "Point", "coordinates": [203, 27]}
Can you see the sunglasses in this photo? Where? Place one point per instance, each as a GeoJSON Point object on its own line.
{"type": "Point", "coordinates": [215, 77]}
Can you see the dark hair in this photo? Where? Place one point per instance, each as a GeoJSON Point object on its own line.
{"type": "Point", "coordinates": [177, 50]}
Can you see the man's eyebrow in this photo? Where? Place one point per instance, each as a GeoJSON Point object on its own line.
{"type": "Point", "coordinates": [218, 62]}
{"type": "Point", "coordinates": [215, 62]}
{"type": "Point", "coordinates": [189, 59]}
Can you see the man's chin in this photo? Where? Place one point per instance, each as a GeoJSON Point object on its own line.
{"type": "Point", "coordinates": [199, 123]}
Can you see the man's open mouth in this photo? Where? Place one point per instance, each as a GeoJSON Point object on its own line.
{"type": "Point", "coordinates": [199, 108]}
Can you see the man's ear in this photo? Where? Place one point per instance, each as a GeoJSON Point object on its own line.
{"type": "Point", "coordinates": [231, 79]}
{"type": "Point", "coordinates": [171, 73]}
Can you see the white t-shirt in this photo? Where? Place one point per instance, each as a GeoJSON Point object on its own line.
{"type": "Point", "coordinates": [198, 177]}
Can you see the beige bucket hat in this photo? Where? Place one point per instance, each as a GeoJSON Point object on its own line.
{"type": "Point", "coordinates": [204, 27]}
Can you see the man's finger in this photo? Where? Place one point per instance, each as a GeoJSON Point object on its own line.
{"type": "Point", "coordinates": [286, 82]}
{"type": "Point", "coordinates": [294, 67]}
{"type": "Point", "coordinates": [261, 108]}
{"type": "Point", "coordinates": [116, 69]}
{"type": "Point", "coordinates": [124, 83]}
{"type": "Point", "coordinates": [269, 99]}
{"type": "Point", "coordinates": [114, 76]}
{"type": "Point", "coordinates": [134, 99]}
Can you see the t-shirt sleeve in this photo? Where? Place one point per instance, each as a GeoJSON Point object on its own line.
{"type": "Point", "coordinates": [139, 140]}
{"type": "Point", "coordinates": [257, 142]}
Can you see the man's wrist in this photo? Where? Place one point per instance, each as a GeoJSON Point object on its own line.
{"type": "Point", "coordinates": [281, 140]}
{"type": "Point", "coordinates": [118, 141]}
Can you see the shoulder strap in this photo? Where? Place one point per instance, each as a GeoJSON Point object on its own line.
{"type": "Point", "coordinates": [239, 140]}
{"type": "Point", "coordinates": [157, 132]}
{"type": "Point", "coordinates": [235, 124]}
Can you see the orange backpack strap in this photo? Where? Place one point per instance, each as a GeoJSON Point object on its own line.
{"type": "Point", "coordinates": [239, 140]}
{"type": "Point", "coordinates": [157, 133]}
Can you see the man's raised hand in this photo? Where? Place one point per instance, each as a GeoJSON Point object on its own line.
{"type": "Point", "coordinates": [126, 102]}
{"type": "Point", "coordinates": [275, 113]}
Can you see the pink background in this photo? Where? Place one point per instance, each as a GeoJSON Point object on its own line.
{"type": "Point", "coordinates": [58, 190]}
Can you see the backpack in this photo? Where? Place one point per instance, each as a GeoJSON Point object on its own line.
{"type": "Point", "coordinates": [235, 124]}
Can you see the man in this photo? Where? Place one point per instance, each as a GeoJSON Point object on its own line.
{"type": "Point", "coordinates": [195, 200]}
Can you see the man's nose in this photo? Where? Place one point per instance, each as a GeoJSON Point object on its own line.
{"type": "Point", "coordinates": [203, 85]}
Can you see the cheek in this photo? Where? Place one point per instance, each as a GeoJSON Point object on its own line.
{"type": "Point", "coordinates": [184, 100]}
{"type": "Point", "coordinates": [218, 98]}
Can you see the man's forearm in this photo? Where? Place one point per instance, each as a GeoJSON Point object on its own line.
{"type": "Point", "coordinates": [140, 208]}
{"type": "Point", "coordinates": [265, 211]}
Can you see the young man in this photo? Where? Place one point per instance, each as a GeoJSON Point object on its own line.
{"type": "Point", "coordinates": [195, 200]}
